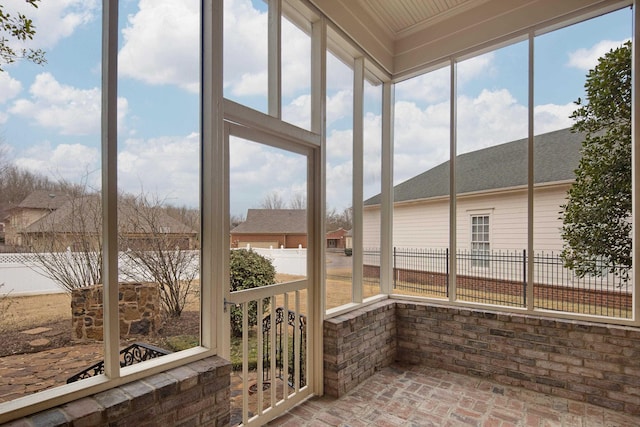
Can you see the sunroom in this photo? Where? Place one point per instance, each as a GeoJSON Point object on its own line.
{"type": "Point", "coordinates": [321, 106]}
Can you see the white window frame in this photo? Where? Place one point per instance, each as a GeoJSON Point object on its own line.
{"type": "Point", "coordinates": [214, 204]}
{"type": "Point", "coordinates": [480, 259]}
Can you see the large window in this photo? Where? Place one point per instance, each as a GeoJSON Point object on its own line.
{"type": "Point", "coordinates": [480, 243]}
{"type": "Point", "coordinates": [519, 123]}
{"type": "Point", "coordinates": [128, 164]}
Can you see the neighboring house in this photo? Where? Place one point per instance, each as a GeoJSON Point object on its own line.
{"type": "Point", "coordinates": [492, 198]}
{"type": "Point", "coordinates": [35, 206]}
{"type": "Point", "coordinates": [76, 224]}
{"type": "Point", "coordinates": [275, 228]}
{"type": "Point", "coordinates": [336, 239]}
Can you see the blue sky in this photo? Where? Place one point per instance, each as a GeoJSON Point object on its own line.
{"type": "Point", "coordinates": [50, 115]}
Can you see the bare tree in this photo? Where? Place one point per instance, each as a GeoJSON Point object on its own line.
{"type": "Point", "coordinates": [159, 248]}
{"type": "Point", "coordinates": [272, 200]}
{"type": "Point", "coordinates": [298, 201]}
{"type": "Point", "coordinates": [67, 243]}
{"type": "Point", "coordinates": [335, 220]}
{"type": "Point", "coordinates": [236, 220]}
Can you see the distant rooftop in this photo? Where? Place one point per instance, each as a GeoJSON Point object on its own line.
{"type": "Point", "coordinates": [273, 221]}
{"type": "Point", "coordinates": [556, 157]}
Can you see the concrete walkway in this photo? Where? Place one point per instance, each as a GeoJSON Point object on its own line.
{"type": "Point", "coordinates": [418, 396]}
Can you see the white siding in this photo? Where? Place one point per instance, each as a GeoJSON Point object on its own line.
{"type": "Point", "coordinates": [507, 219]}
{"type": "Point", "coordinates": [426, 224]}
{"type": "Point", "coordinates": [546, 218]}
{"type": "Point", "coordinates": [371, 228]}
{"type": "Point", "coordinates": [421, 225]}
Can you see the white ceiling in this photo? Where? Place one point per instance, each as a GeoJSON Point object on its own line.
{"type": "Point", "coordinates": [405, 37]}
{"type": "Point", "coordinates": [401, 17]}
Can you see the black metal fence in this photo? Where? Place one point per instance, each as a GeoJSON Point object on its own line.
{"type": "Point", "coordinates": [500, 277]}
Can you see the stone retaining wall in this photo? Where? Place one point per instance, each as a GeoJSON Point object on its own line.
{"type": "Point", "coordinates": [139, 307]}
{"type": "Point", "coordinates": [196, 394]}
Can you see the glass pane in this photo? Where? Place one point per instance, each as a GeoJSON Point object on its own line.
{"type": "Point", "coordinates": [582, 196]}
{"type": "Point", "coordinates": [245, 53]}
{"type": "Point", "coordinates": [339, 182]}
{"type": "Point", "coordinates": [296, 75]}
{"type": "Point", "coordinates": [159, 181]}
{"type": "Point", "coordinates": [421, 178]}
{"type": "Point", "coordinates": [268, 239]}
{"type": "Point", "coordinates": [50, 165]}
{"type": "Point", "coordinates": [491, 176]}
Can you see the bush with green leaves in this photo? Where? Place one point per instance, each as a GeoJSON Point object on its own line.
{"type": "Point", "coordinates": [248, 269]}
{"type": "Point", "coordinates": [596, 220]}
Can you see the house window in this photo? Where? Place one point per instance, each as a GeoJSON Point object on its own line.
{"type": "Point", "coordinates": [480, 241]}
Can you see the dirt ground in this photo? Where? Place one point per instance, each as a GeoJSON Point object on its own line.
{"type": "Point", "coordinates": [53, 312]}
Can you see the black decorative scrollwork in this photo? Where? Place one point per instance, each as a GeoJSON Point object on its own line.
{"type": "Point", "coordinates": [283, 349]}
{"type": "Point", "coordinates": [135, 353]}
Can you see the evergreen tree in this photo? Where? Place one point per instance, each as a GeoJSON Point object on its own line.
{"type": "Point", "coordinates": [597, 216]}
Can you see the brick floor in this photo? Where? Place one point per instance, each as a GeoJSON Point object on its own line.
{"type": "Point", "coordinates": [418, 396]}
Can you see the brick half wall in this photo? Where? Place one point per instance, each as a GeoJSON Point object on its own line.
{"type": "Point", "coordinates": [196, 394]}
{"type": "Point", "coordinates": [356, 345]}
{"type": "Point", "coordinates": [583, 361]}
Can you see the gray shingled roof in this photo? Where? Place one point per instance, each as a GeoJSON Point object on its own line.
{"type": "Point", "coordinates": [83, 214]}
{"type": "Point", "coordinates": [273, 221]}
{"type": "Point", "coordinates": [556, 156]}
{"type": "Point", "coordinates": [43, 199]}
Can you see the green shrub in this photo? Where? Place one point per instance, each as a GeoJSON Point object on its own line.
{"type": "Point", "coordinates": [248, 269]}
{"type": "Point", "coordinates": [348, 251]}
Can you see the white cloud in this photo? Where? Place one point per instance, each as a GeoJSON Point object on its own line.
{"type": "Point", "coordinates": [257, 170]}
{"type": "Point", "coordinates": [69, 110]}
{"type": "Point", "coordinates": [251, 84]}
{"type": "Point", "coordinates": [435, 86]}
{"type": "Point", "coordinates": [492, 117]}
{"type": "Point", "coordinates": [161, 43]}
{"type": "Point", "coordinates": [71, 162]}
{"type": "Point", "coordinates": [421, 135]}
{"type": "Point", "coordinates": [339, 106]}
{"type": "Point", "coordinates": [550, 117]}
{"type": "Point", "coordinates": [161, 47]}
{"type": "Point", "coordinates": [298, 112]}
{"type": "Point", "coordinates": [55, 20]}
{"type": "Point", "coordinates": [587, 59]}
{"type": "Point", "coordinates": [9, 87]}
{"type": "Point", "coordinates": [166, 167]}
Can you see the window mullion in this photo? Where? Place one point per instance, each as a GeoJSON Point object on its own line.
{"type": "Point", "coordinates": [529, 295]}
{"type": "Point", "coordinates": [452, 181]}
{"type": "Point", "coordinates": [386, 205]}
{"type": "Point", "coordinates": [110, 186]}
{"type": "Point", "coordinates": [358, 165]}
{"type": "Point", "coordinates": [275, 58]}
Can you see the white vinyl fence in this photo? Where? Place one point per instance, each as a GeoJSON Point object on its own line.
{"type": "Point", "coordinates": [286, 261]}
{"type": "Point", "coordinates": [21, 274]}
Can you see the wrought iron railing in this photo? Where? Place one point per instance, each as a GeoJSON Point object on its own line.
{"type": "Point", "coordinates": [501, 277]}
{"type": "Point", "coordinates": [135, 353]}
{"type": "Point", "coordinates": [283, 348]}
